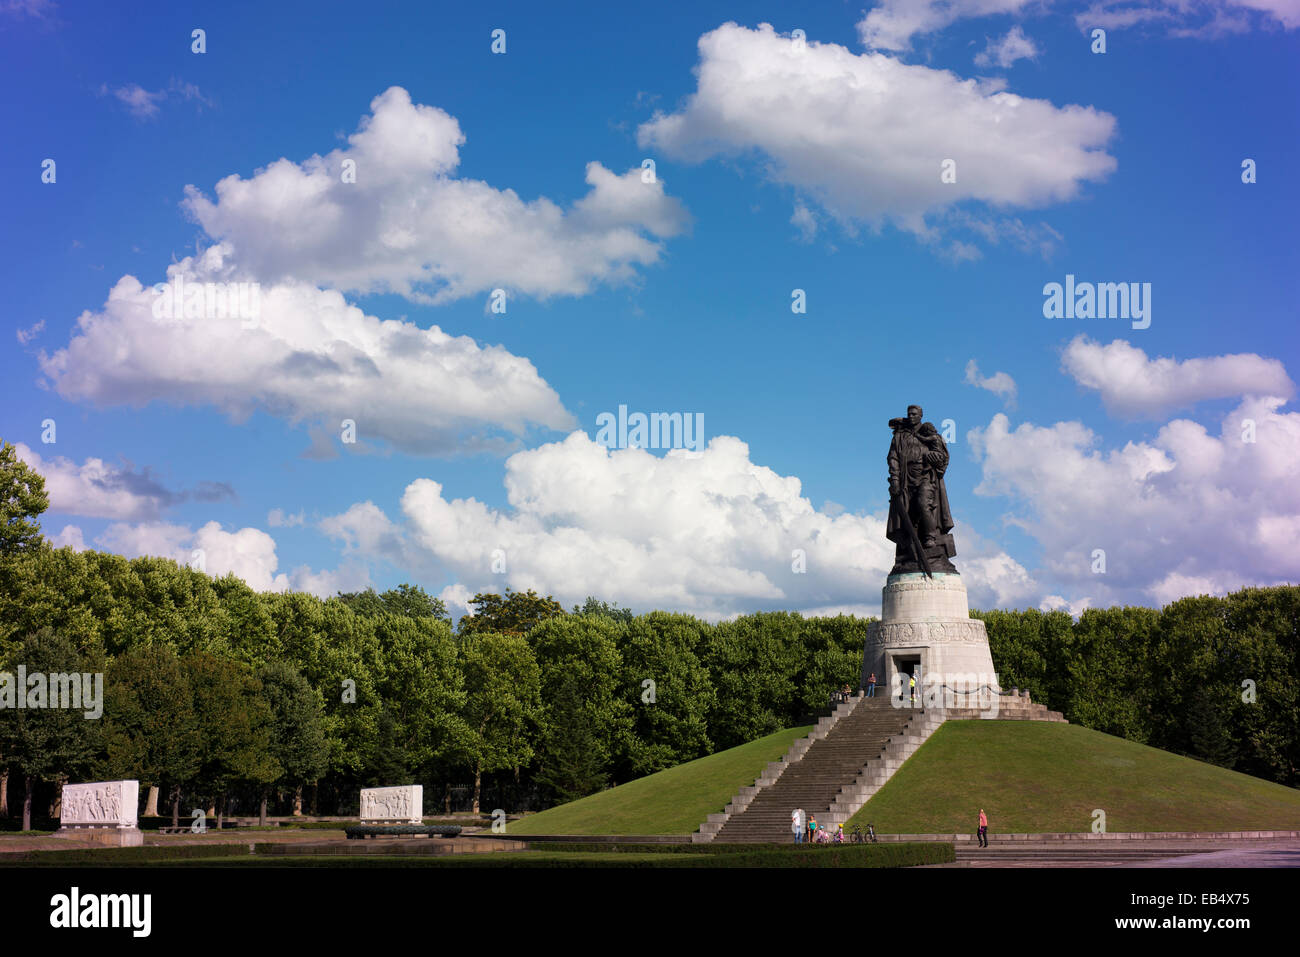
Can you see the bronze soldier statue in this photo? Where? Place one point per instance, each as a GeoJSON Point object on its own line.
{"type": "Point", "coordinates": [920, 522]}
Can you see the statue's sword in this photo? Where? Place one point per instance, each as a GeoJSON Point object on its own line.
{"type": "Point", "coordinates": [906, 519]}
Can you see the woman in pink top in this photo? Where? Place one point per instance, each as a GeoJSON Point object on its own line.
{"type": "Point", "coordinates": [983, 833]}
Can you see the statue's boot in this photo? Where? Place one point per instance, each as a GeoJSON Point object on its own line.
{"type": "Point", "coordinates": [927, 531]}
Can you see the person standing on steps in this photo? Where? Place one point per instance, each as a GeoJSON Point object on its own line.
{"type": "Point", "coordinates": [912, 686]}
{"type": "Point", "coordinates": [983, 833]}
{"type": "Point", "coordinates": [796, 824]}
{"type": "Point", "coordinates": [871, 685]}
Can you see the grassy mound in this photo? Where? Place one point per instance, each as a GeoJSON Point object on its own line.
{"type": "Point", "coordinates": [675, 801]}
{"type": "Point", "coordinates": [1035, 777]}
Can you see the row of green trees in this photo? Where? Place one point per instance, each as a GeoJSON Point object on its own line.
{"type": "Point", "coordinates": [571, 702]}
{"type": "Point", "coordinates": [214, 691]}
{"type": "Point", "coordinates": [558, 703]}
{"type": "Point", "coordinates": [1214, 678]}
{"type": "Point", "coordinates": [199, 722]}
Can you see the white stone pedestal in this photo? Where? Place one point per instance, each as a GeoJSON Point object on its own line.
{"type": "Point", "coordinates": [926, 622]}
{"type": "Point", "coordinates": [108, 836]}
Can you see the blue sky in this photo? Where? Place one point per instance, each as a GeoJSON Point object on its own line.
{"type": "Point", "coordinates": [779, 165]}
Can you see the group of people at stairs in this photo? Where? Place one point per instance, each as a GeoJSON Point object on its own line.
{"type": "Point", "coordinates": [869, 690]}
{"type": "Point", "coordinates": [811, 832]}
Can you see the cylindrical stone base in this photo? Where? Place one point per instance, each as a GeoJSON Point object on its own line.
{"type": "Point", "coordinates": [926, 629]}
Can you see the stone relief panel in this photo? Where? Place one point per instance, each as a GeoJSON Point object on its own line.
{"type": "Point", "coordinates": [100, 804]}
{"type": "Point", "coordinates": [393, 804]}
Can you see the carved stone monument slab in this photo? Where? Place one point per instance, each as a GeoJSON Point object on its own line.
{"type": "Point", "coordinates": [101, 811]}
{"type": "Point", "coordinates": [399, 805]}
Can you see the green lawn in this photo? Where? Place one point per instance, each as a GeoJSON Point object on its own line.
{"type": "Point", "coordinates": [1035, 777]}
{"type": "Point", "coordinates": [675, 801]}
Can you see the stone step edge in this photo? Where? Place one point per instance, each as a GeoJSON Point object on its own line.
{"type": "Point", "coordinates": [745, 796]}
{"type": "Point", "coordinates": [1018, 711]}
{"type": "Point", "coordinates": [1054, 838]}
{"type": "Point", "coordinates": [1046, 839]}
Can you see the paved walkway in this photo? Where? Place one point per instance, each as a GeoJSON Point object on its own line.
{"type": "Point", "coordinates": [1206, 852]}
{"type": "Point", "coordinates": [17, 843]}
{"type": "Point", "coordinates": [313, 842]}
{"type": "Point", "coordinates": [1283, 854]}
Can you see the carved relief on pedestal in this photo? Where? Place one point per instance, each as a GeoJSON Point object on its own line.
{"type": "Point", "coordinates": [100, 804]}
{"type": "Point", "coordinates": [393, 804]}
{"type": "Point", "coordinates": [927, 632]}
{"type": "Point", "coordinates": [941, 583]}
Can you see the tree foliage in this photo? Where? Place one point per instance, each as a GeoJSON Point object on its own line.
{"type": "Point", "coordinates": [517, 613]}
{"type": "Point", "coordinates": [22, 499]}
{"type": "Point", "coordinates": [212, 688]}
{"type": "Point", "coordinates": [502, 703]}
{"type": "Point", "coordinates": [297, 731]}
{"type": "Point", "coordinates": [409, 600]}
{"type": "Point", "coordinates": [46, 742]}
{"type": "Point", "coordinates": [151, 729]}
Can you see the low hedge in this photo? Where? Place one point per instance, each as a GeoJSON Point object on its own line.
{"type": "Point", "coordinates": [402, 830]}
{"type": "Point", "coordinates": [118, 856]}
{"type": "Point", "coordinates": [428, 821]}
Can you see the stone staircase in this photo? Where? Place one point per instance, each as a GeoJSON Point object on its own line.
{"type": "Point", "coordinates": [868, 737]}
{"type": "Point", "coordinates": [745, 796]}
{"type": "Point", "coordinates": [875, 772]}
{"type": "Point", "coordinates": [846, 759]}
{"type": "Point", "coordinates": [1014, 706]}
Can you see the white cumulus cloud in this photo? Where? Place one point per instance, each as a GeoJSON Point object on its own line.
{"type": "Point", "coordinates": [1000, 383]}
{"type": "Point", "coordinates": [309, 357]}
{"type": "Point", "coordinates": [1199, 18]}
{"type": "Point", "coordinates": [1006, 51]}
{"type": "Point", "coordinates": [72, 537]}
{"type": "Point", "coordinates": [865, 135]}
{"type": "Point", "coordinates": [248, 553]}
{"type": "Point", "coordinates": [99, 489]}
{"type": "Point", "coordinates": [31, 332]}
{"type": "Point", "coordinates": [410, 225]}
{"type": "Point", "coordinates": [276, 518]}
{"type": "Point", "coordinates": [1134, 386]}
{"type": "Point", "coordinates": [891, 25]}
{"type": "Point", "coordinates": [1192, 510]}
{"type": "Point", "coordinates": [145, 104]}
{"type": "Point", "coordinates": [712, 533]}
{"type": "Point", "coordinates": [896, 24]}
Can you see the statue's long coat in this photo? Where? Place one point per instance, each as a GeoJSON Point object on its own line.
{"type": "Point", "coordinates": [894, 530]}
